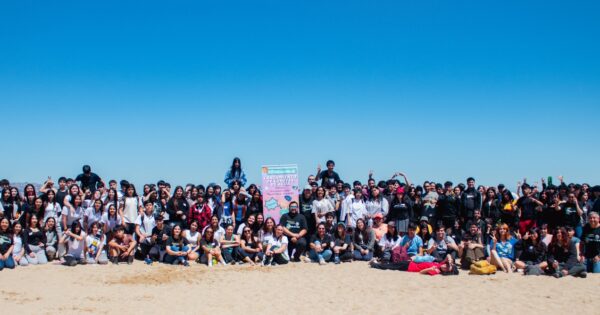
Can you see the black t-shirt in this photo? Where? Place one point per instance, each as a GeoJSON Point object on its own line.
{"type": "Point", "coordinates": [329, 179]}
{"type": "Point", "coordinates": [570, 216]}
{"type": "Point", "coordinates": [90, 181]}
{"type": "Point", "coordinates": [341, 242]}
{"type": "Point", "coordinates": [294, 224]}
{"type": "Point", "coordinates": [6, 242]}
{"type": "Point", "coordinates": [591, 241]}
{"type": "Point", "coordinates": [527, 206]}
{"type": "Point", "coordinates": [159, 235]}
{"type": "Point", "coordinates": [173, 242]}
{"type": "Point", "coordinates": [60, 197]}
{"type": "Point", "coordinates": [325, 241]}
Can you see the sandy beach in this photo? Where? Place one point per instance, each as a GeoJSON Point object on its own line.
{"type": "Point", "coordinates": [293, 289]}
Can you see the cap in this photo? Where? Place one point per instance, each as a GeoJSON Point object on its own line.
{"type": "Point", "coordinates": [400, 190]}
{"type": "Point", "coordinates": [308, 187]}
{"type": "Point", "coordinates": [424, 218]}
{"type": "Point", "coordinates": [392, 223]}
{"type": "Point", "coordinates": [342, 224]}
{"type": "Point", "coordinates": [378, 216]}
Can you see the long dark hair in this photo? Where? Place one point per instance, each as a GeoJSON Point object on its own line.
{"type": "Point", "coordinates": [236, 169]}
{"type": "Point", "coordinates": [364, 233]}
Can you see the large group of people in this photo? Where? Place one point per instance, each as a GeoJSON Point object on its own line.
{"type": "Point", "coordinates": [434, 228]}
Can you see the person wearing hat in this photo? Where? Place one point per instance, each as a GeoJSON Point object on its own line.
{"type": "Point", "coordinates": [306, 199]}
{"type": "Point", "coordinates": [379, 227]}
{"type": "Point", "coordinates": [342, 249]}
{"type": "Point", "coordinates": [401, 211]}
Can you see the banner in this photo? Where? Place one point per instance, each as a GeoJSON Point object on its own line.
{"type": "Point", "coordinates": [279, 188]}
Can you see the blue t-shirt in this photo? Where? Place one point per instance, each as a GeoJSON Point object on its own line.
{"type": "Point", "coordinates": [506, 249]}
{"type": "Point", "coordinates": [413, 248]}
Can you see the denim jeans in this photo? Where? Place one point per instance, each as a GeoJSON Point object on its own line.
{"type": "Point", "coordinates": [314, 256]}
{"type": "Point", "coordinates": [593, 267]}
{"type": "Point", "coordinates": [359, 256]}
{"type": "Point", "coordinates": [8, 263]}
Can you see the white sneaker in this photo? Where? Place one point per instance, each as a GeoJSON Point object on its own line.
{"type": "Point", "coordinates": [322, 262]}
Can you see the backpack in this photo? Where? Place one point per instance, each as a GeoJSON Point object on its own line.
{"type": "Point", "coordinates": [482, 267]}
{"type": "Point", "coordinates": [399, 254]}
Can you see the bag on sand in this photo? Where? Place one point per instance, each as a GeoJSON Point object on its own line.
{"type": "Point", "coordinates": [399, 254]}
{"type": "Point", "coordinates": [482, 267]}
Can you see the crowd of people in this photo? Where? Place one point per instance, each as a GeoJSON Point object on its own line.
{"type": "Point", "coordinates": [433, 228]}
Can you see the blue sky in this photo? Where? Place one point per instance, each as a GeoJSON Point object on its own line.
{"type": "Point", "coordinates": [153, 90]}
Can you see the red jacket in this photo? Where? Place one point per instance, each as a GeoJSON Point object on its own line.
{"type": "Point", "coordinates": [202, 215]}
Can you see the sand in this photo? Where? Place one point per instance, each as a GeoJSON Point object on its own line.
{"type": "Point", "coordinates": [298, 288]}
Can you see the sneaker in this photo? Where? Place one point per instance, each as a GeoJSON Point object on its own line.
{"type": "Point", "coordinates": [148, 261]}
{"type": "Point", "coordinates": [322, 262]}
{"type": "Point", "coordinates": [336, 260]}
{"type": "Point", "coordinates": [130, 260]}
{"type": "Point", "coordinates": [583, 274]}
{"type": "Point", "coordinates": [274, 263]}
{"type": "Point", "coordinates": [114, 260]}
{"type": "Point", "coordinates": [186, 264]}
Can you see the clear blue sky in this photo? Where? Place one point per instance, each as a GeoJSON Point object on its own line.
{"type": "Point", "coordinates": [174, 90]}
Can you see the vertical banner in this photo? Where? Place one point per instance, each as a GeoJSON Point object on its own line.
{"type": "Point", "coordinates": [279, 188]}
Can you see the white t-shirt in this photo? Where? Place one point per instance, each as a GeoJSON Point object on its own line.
{"type": "Point", "coordinates": [146, 223]}
{"type": "Point", "coordinates": [112, 222]}
{"type": "Point", "coordinates": [52, 210]}
{"type": "Point", "coordinates": [322, 206]}
{"type": "Point", "coordinates": [75, 246]}
{"type": "Point", "coordinates": [73, 216]}
{"type": "Point", "coordinates": [386, 243]}
{"type": "Point", "coordinates": [278, 243]}
{"type": "Point", "coordinates": [130, 212]}
{"type": "Point", "coordinates": [93, 216]}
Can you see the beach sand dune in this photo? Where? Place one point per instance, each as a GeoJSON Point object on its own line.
{"type": "Point", "coordinates": [293, 289]}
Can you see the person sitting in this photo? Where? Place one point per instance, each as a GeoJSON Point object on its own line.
{"type": "Point", "coordinates": [276, 252]}
{"type": "Point", "coordinates": [210, 248]}
{"type": "Point", "coordinates": [441, 245]}
{"type": "Point", "coordinates": [250, 248]}
{"type": "Point", "coordinates": [562, 257]}
{"type": "Point", "coordinates": [471, 248]}
{"type": "Point", "coordinates": [94, 242]}
{"type": "Point", "coordinates": [295, 228]}
{"type": "Point", "coordinates": [502, 251]}
{"type": "Point", "coordinates": [121, 247]}
{"type": "Point", "coordinates": [342, 248]}
{"type": "Point", "coordinates": [412, 242]}
{"type": "Point", "coordinates": [229, 243]}
{"type": "Point", "coordinates": [389, 241]}
{"type": "Point", "coordinates": [177, 247]}
{"type": "Point", "coordinates": [74, 238]}
{"type": "Point", "coordinates": [363, 241]}
{"type": "Point", "coordinates": [320, 246]}
{"type": "Point", "coordinates": [531, 251]}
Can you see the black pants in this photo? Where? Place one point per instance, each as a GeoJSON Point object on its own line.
{"type": "Point", "coordinates": [299, 246]}
{"type": "Point", "coordinates": [278, 258]}
{"type": "Point", "coordinates": [400, 266]}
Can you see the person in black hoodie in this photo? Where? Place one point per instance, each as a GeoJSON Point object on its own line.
{"type": "Point", "coordinates": [401, 211]}
{"type": "Point", "coordinates": [491, 206]}
{"type": "Point", "coordinates": [448, 205]}
{"type": "Point", "coordinates": [470, 200]}
{"type": "Point", "coordinates": [530, 250]}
